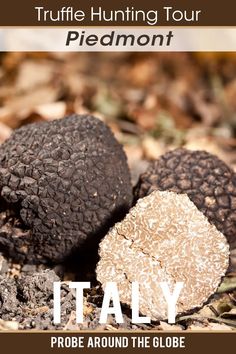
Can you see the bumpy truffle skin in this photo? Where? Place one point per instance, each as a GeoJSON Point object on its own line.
{"type": "Point", "coordinates": [207, 180]}
{"type": "Point", "coordinates": [61, 183]}
{"type": "Point", "coordinates": [164, 238]}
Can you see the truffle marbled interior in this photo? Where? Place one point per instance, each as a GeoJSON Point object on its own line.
{"type": "Point", "coordinates": [164, 238]}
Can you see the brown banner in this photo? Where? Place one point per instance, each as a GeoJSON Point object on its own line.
{"type": "Point", "coordinates": [78, 13]}
{"type": "Point", "coordinates": [131, 342]}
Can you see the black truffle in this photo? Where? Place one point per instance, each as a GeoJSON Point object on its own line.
{"type": "Point", "coordinates": [61, 183]}
{"type": "Point", "coordinates": [208, 181]}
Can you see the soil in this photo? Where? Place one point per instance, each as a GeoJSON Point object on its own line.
{"type": "Point", "coordinates": [28, 300]}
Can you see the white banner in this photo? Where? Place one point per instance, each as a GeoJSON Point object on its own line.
{"type": "Point", "coordinates": [122, 39]}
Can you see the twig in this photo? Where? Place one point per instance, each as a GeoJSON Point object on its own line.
{"type": "Point", "coordinates": [209, 318]}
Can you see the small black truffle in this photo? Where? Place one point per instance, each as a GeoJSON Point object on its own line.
{"type": "Point", "coordinates": [208, 181]}
{"type": "Point", "coordinates": [61, 183]}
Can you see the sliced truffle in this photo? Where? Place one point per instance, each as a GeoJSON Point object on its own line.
{"type": "Point", "coordinates": [61, 183]}
{"type": "Point", "coordinates": [207, 180]}
{"type": "Point", "coordinates": [164, 238]}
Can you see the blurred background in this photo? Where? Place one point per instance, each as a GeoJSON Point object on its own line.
{"type": "Point", "coordinates": [153, 102]}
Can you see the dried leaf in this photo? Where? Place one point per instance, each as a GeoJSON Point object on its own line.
{"type": "Point", "coordinates": [5, 132]}
{"type": "Point", "coordinates": [50, 111]}
{"type": "Point", "coordinates": [168, 327]}
{"type": "Point", "coordinates": [21, 107]}
{"type": "Point", "coordinates": [8, 325]}
{"type": "Point", "coordinates": [228, 284]}
{"type": "Point", "coordinates": [152, 148]}
{"type": "Point", "coordinates": [219, 327]}
{"type": "Point", "coordinates": [33, 75]}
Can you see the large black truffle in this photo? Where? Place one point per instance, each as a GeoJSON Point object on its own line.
{"type": "Point", "coordinates": [208, 181]}
{"type": "Point", "coordinates": [61, 183]}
